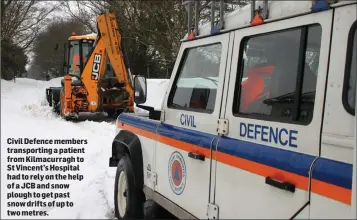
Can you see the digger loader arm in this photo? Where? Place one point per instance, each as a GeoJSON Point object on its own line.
{"type": "Point", "coordinates": [108, 45]}
{"type": "Point", "coordinates": [92, 72]}
{"type": "Point", "coordinates": [111, 36]}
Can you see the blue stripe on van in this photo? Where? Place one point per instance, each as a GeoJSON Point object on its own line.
{"type": "Point", "coordinates": [290, 161]}
{"type": "Point", "coordinates": [334, 172]}
{"type": "Point", "coordinates": [326, 170]}
{"type": "Point", "coordinates": [139, 122]}
{"type": "Point", "coordinates": [186, 135]}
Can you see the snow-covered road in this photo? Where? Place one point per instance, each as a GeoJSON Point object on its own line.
{"type": "Point", "coordinates": [25, 113]}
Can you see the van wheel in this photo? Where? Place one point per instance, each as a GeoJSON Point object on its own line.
{"type": "Point", "coordinates": [128, 200]}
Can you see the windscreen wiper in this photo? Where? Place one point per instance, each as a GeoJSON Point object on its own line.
{"type": "Point", "coordinates": [213, 80]}
{"type": "Point", "coordinates": [289, 97]}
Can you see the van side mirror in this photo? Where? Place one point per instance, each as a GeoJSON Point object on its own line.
{"type": "Point", "coordinates": [140, 89]}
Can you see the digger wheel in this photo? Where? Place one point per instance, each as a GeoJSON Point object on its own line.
{"type": "Point", "coordinates": [114, 113]}
{"type": "Point", "coordinates": [111, 113]}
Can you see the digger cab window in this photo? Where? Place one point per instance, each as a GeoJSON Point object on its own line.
{"type": "Point", "coordinates": [86, 50]}
{"type": "Point", "coordinates": [73, 61]}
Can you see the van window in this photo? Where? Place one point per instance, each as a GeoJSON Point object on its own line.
{"type": "Point", "coordinates": [349, 92]}
{"type": "Point", "coordinates": [278, 74]}
{"type": "Point", "coordinates": [196, 83]}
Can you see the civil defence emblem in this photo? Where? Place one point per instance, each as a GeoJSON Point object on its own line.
{"type": "Point", "coordinates": [177, 173]}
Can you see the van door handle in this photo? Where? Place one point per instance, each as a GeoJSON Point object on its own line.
{"type": "Point", "coordinates": [196, 156]}
{"type": "Point", "coordinates": [281, 185]}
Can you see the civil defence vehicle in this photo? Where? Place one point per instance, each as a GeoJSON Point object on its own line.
{"type": "Point", "coordinates": [258, 120]}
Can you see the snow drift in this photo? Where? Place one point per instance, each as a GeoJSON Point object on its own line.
{"type": "Point", "coordinates": [26, 114]}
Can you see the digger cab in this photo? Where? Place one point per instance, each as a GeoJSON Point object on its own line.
{"type": "Point", "coordinates": [76, 54]}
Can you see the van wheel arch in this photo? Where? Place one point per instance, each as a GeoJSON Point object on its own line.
{"type": "Point", "coordinates": [127, 143]}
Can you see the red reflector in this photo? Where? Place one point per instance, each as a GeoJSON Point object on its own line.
{"type": "Point", "coordinates": [257, 20]}
{"type": "Point", "coordinates": [191, 36]}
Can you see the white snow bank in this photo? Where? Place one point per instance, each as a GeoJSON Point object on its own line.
{"type": "Point", "coordinates": [91, 35]}
{"type": "Point", "coordinates": [55, 82]}
{"type": "Point", "coordinates": [25, 114]}
{"type": "Point", "coordinates": [156, 90]}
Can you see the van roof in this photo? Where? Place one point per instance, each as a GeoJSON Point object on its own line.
{"type": "Point", "coordinates": [277, 9]}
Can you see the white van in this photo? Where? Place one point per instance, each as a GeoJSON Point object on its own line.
{"type": "Point", "coordinates": [258, 120]}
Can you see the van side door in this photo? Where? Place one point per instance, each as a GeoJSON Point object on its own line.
{"type": "Point", "coordinates": [274, 108]}
{"type": "Point", "coordinates": [191, 109]}
{"type": "Point", "coordinates": [331, 183]}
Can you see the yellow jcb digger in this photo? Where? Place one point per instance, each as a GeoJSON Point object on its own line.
{"type": "Point", "coordinates": [96, 74]}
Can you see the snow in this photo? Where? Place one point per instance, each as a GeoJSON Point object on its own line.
{"type": "Point", "coordinates": [156, 90]}
{"type": "Point", "coordinates": [198, 82]}
{"type": "Point", "coordinates": [25, 113]}
{"type": "Point", "coordinates": [242, 16]}
{"type": "Point", "coordinates": [91, 35]}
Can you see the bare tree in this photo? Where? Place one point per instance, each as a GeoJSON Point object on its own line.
{"type": "Point", "coordinates": [86, 12]}
{"type": "Point", "coordinates": [151, 30]}
{"type": "Point", "coordinates": [21, 20]}
{"type": "Point", "coordinates": [48, 47]}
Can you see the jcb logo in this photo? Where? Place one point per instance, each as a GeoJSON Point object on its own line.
{"type": "Point", "coordinates": [96, 66]}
